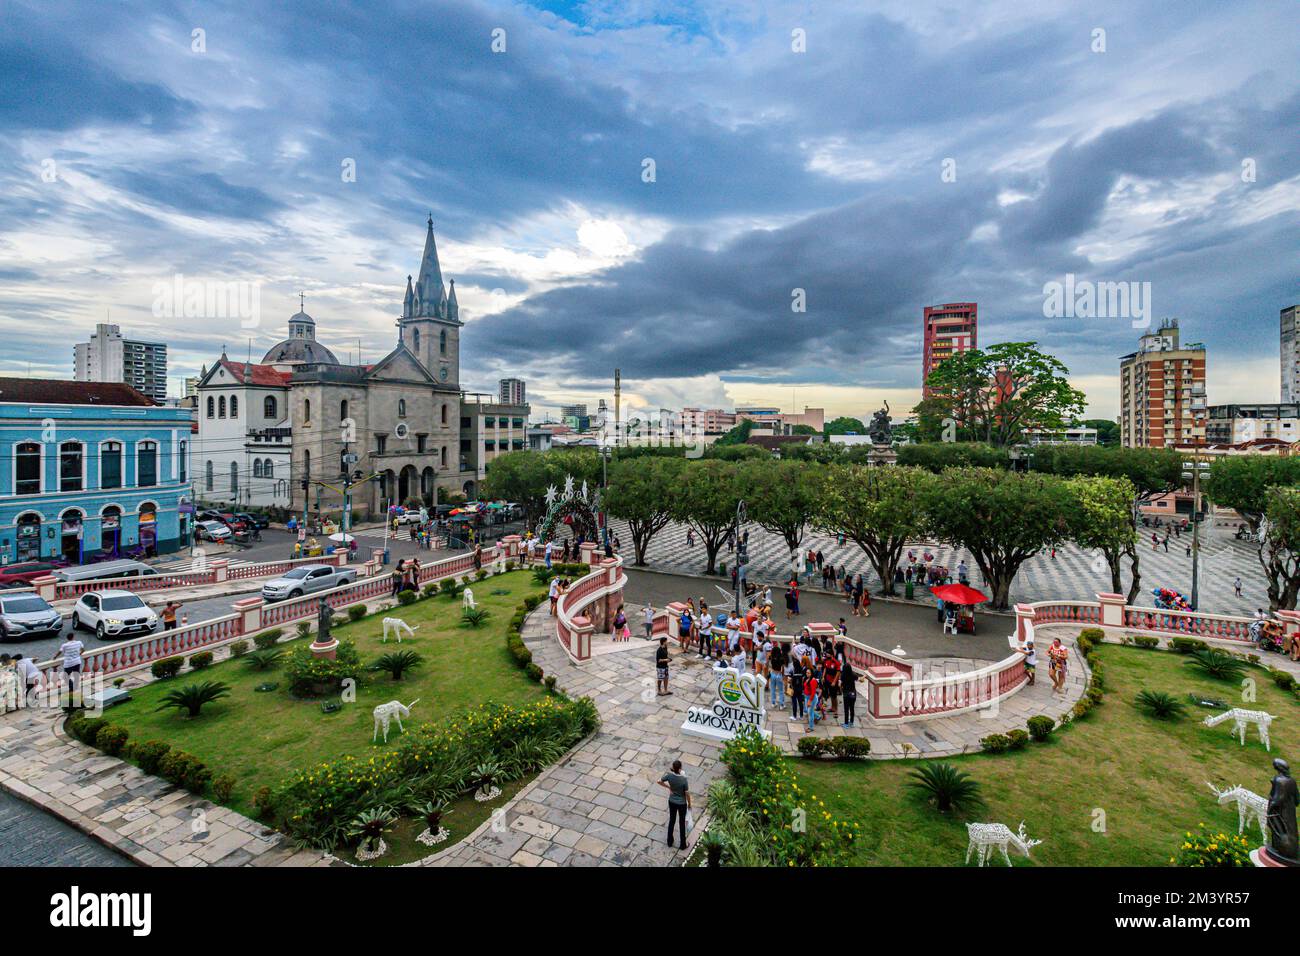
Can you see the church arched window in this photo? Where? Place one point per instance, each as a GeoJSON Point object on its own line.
{"type": "Point", "coordinates": [221, 407]}
{"type": "Point", "coordinates": [442, 343]}
{"type": "Point", "coordinates": [415, 339]}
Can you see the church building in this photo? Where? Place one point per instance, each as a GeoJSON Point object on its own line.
{"type": "Point", "coordinates": [286, 431]}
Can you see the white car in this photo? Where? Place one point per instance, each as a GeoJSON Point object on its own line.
{"type": "Point", "coordinates": [211, 531]}
{"type": "Point", "coordinates": [113, 614]}
{"type": "Point", "coordinates": [305, 579]}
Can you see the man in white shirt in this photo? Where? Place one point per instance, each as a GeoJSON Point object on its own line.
{"type": "Point", "coordinates": [29, 675]}
{"type": "Point", "coordinates": [554, 594]}
{"type": "Point", "coordinates": [706, 634]}
{"type": "Point", "coordinates": [648, 615]}
{"type": "Point", "coordinates": [733, 633]}
{"type": "Point", "coordinates": [550, 546]}
{"type": "Point", "coordinates": [70, 650]}
{"type": "Point", "coordinates": [738, 661]}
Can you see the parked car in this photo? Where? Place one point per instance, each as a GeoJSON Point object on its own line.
{"type": "Point", "coordinates": [113, 614]}
{"type": "Point", "coordinates": [23, 573]}
{"type": "Point", "coordinates": [27, 616]}
{"type": "Point", "coordinates": [211, 531]}
{"type": "Point", "coordinates": [209, 515]}
{"type": "Point", "coordinates": [305, 579]}
{"type": "Point", "coordinates": [252, 520]}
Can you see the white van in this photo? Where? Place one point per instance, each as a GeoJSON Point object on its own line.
{"type": "Point", "coordinates": [104, 569]}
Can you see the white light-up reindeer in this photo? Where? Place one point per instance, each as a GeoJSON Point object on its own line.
{"type": "Point", "coordinates": [467, 600]}
{"type": "Point", "coordinates": [393, 710]}
{"type": "Point", "coordinates": [1248, 802]}
{"type": "Point", "coordinates": [1240, 719]}
{"type": "Point", "coordinates": [985, 836]}
{"type": "Point", "coordinates": [395, 625]}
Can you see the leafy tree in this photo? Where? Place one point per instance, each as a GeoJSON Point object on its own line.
{"type": "Point", "coordinates": [706, 499]}
{"type": "Point", "coordinates": [844, 425]}
{"type": "Point", "coordinates": [804, 430]}
{"type": "Point", "coordinates": [1107, 430]}
{"type": "Point", "coordinates": [737, 435]}
{"type": "Point", "coordinates": [641, 492]}
{"type": "Point", "coordinates": [879, 508]}
{"type": "Point", "coordinates": [781, 496]}
{"type": "Point", "coordinates": [1003, 518]}
{"type": "Point", "coordinates": [1103, 519]}
{"type": "Point", "coordinates": [737, 452]}
{"type": "Point", "coordinates": [995, 394]}
{"type": "Point", "coordinates": [1279, 551]}
{"type": "Point", "coordinates": [524, 476]}
{"type": "Point", "coordinates": [1243, 482]}
{"type": "Point", "coordinates": [936, 456]}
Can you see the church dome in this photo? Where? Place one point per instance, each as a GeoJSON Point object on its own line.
{"type": "Point", "coordinates": [301, 345]}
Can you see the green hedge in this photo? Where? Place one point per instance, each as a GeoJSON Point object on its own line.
{"type": "Point", "coordinates": [841, 748]}
{"type": "Point", "coordinates": [310, 676]}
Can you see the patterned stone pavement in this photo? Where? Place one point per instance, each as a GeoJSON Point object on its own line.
{"type": "Point", "coordinates": [31, 837]}
{"type": "Point", "coordinates": [1073, 575]}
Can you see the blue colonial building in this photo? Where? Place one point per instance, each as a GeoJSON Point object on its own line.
{"type": "Point", "coordinates": [90, 468]}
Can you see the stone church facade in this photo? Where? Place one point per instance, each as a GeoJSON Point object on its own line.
{"type": "Point", "coordinates": [401, 429]}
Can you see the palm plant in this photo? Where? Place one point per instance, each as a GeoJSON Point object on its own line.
{"type": "Point", "coordinates": [431, 812]}
{"type": "Point", "coordinates": [192, 697]}
{"type": "Point", "coordinates": [946, 787]}
{"type": "Point", "coordinates": [1159, 704]}
{"type": "Point", "coordinates": [1217, 664]}
{"type": "Point", "coordinates": [369, 827]}
{"type": "Point", "coordinates": [397, 663]}
{"type": "Point", "coordinates": [263, 660]}
{"type": "Point", "coordinates": [713, 844]}
{"type": "Point", "coordinates": [473, 616]}
{"type": "Point", "coordinates": [485, 775]}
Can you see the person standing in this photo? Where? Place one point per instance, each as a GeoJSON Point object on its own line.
{"type": "Point", "coordinates": [679, 801]}
{"type": "Point", "coordinates": [169, 615]}
{"type": "Point", "coordinates": [29, 678]}
{"type": "Point", "coordinates": [796, 671]}
{"type": "Point", "coordinates": [1058, 655]}
{"type": "Point", "coordinates": [549, 550]}
{"type": "Point", "coordinates": [661, 667]}
{"type": "Point", "coordinates": [812, 697]}
{"type": "Point", "coordinates": [777, 670]}
{"type": "Point", "coordinates": [1236, 586]}
{"type": "Point", "coordinates": [478, 557]}
{"type": "Point", "coordinates": [621, 632]}
{"type": "Point", "coordinates": [1031, 660]}
{"type": "Point", "coordinates": [706, 632]}
{"type": "Point", "coordinates": [553, 592]}
{"type": "Point", "coordinates": [849, 691]}
{"type": "Point", "coordinates": [648, 620]}
{"type": "Point", "coordinates": [963, 572]}
{"type": "Point", "coordinates": [70, 650]}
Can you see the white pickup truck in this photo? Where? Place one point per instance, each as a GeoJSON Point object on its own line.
{"type": "Point", "coordinates": [305, 579]}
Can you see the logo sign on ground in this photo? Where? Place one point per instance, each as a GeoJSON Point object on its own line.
{"type": "Point", "coordinates": [739, 704]}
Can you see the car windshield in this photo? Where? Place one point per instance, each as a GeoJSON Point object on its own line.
{"type": "Point", "coordinates": [297, 573]}
{"type": "Point", "coordinates": [24, 605]}
{"type": "Point", "coordinates": [125, 602]}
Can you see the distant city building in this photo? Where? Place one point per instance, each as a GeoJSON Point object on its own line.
{"type": "Point", "coordinates": [512, 391]}
{"type": "Point", "coordinates": [1162, 391]}
{"type": "Point", "coordinates": [1064, 436]}
{"type": "Point", "coordinates": [573, 411]}
{"type": "Point", "coordinates": [114, 478]}
{"type": "Point", "coordinates": [539, 437]}
{"type": "Point", "coordinates": [1237, 424]}
{"type": "Point", "coordinates": [108, 357]}
{"type": "Point", "coordinates": [488, 430]}
{"type": "Point", "coordinates": [949, 329]}
{"type": "Point", "coordinates": [780, 421]}
{"type": "Point", "coordinates": [1290, 355]}
{"type": "Point", "coordinates": [708, 421]}
{"type": "Point", "coordinates": [191, 389]}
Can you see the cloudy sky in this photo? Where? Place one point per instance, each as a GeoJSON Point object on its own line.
{"type": "Point", "coordinates": [648, 184]}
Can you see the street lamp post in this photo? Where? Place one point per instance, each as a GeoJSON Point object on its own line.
{"type": "Point", "coordinates": [742, 553]}
{"type": "Point", "coordinates": [1193, 470]}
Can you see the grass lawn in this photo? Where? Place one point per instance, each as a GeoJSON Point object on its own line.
{"type": "Point", "coordinates": [262, 738]}
{"type": "Point", "coordinates": [1143, 778]}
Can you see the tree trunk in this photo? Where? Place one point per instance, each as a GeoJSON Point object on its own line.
{"type": "Point", "coordinates": [1134, 567]}
{"type": "Point", "coordinates": [711, 549]}
{"type": "Point", "coordinates": [1116, 572]}
{"type": "Point", "coordinates": [640, 541]}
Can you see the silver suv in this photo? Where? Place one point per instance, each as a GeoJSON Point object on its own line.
{"type": "Point", "coordinates": [27, 615]}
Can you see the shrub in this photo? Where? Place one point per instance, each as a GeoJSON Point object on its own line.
{"type": "Point", "coordinates": [310, 676]}
{"type": "Point", "coordinates": [150, 754]}
{"type": "Point", "coordinates": [1186, 645]}
{"type": "Point", "coordinates": [223, 787]}
{"type": "Point", "coordinates": [111, 739]}
{"type": "Point", "coordinates": [262, 802]}
{"type": "Point", "coordinates": [1216, 664]}
{"type": "Point", "coordinates": [1158, 704]}
{"type": "Point", "coordinates": [448, 588]}
{"type": "Point", "coordinates": [1283, 679]}
{"type": "Point", "coordinates": [1082, 708]}
{"type": "Point", "coordinates": [185, 770]}
{"type": "Point", "coordinates": [239, 648]}
{"type": "Point", "coordinates": [474, 617]}
{"type": "Point", "coordinates": [1017, 739]}
{"type": "Point", "coordinates": [995, 744]}
{"type": "Point", "coordinates": [480, 574]}
{"type": "Point", "coordinates": [200, 660]}
{"type": "Point", "coordinates": [429, 590]}
{"type": "Point", "coordinates": [396, 663]}
{"type": "Point", "coordinates": [550, 683]}
{"type": "Point", "coordinates": [812, 747]}
{"type": "Point", "coordinates": [1145, 641]}
{"type": "Point", "coordinates": [946, 787]}
{"type": "Point", "coordinates": [314, 805]}
{"type": "Point", "coordinates": [510, 565]}
{"type": "Point", "coordinates": [167, 667]}
{"type": "Point", "coordinates": [303, 629]}
{"type": "Point", "coordinates": [356, 612]}
{"type": "Point", "coordinates": [264, 660]}
{"type": "Point", "coordinates": [192, 697]}
{"type": "Point", "coordinates": [406, 597]}
{"type": "Point", "coordinates": [850, 748]}
{"type": "Point", "coordinates": [533, 671]}
{"type": "Point", "coordinates": [531, 602]}
{"type": "Point", "coordinates": [86, 729]}
{"type": "Point", "coordinates": [268, 638]}
{"type": "Point", "coordinates": [522, 655]}
{"type": "Point", "coordinates": [1040, 727]}
{"type": "Point", "coordinates": [1206, 848]}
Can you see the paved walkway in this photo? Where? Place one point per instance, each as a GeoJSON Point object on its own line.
{"type": "Point", "coordinates": [31, 837]}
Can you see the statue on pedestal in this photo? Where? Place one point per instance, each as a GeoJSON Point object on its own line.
{"type": "Point", "coordinates": [880, 430]}
{"type": "Point", "coordinates": [1283, 845]}
{"type": "Point", "coordinates": [323, 614]}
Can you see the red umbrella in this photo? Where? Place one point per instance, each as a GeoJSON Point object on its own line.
{"type": "Point", "coordinates": [958, 594]}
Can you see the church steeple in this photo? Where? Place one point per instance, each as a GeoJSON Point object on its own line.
{"type": "Point", "coordinates": [453, 309]}
{"type": "Point", "coordinates": [408, 303]}
{"type": "Point", "coordinates": [432, 293]}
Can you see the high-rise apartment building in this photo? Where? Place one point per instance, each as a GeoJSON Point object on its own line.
{"type": "Point", "coordinates": [1290, 355]}
{"type": "Point", "coordinates": [108, 357]}
{"type": "Point", "coordinates": [512, 391]}
{"type": "Point", "coordinates": [949, 329]}
{"type": "Point", "coordinates": [1162, 391]}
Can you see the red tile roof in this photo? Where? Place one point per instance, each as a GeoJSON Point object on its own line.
{"type": "Point", "coordinates": [58, 391]}
{"type": "Point", "coordinates": [265, 375]}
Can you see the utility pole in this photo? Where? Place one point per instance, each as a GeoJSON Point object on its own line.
{"type": "Point", "coordinates": [742, 552]}
{"type": "Point", "coordinates": [1193, 470]}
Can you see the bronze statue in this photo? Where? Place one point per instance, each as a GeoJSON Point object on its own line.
{"type": "Point", "coordinates": [879, 430]}
{"type": "Point", "coordinates": [1283, 845]}
{"type": "Point", "coordinates": [323, 614]}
